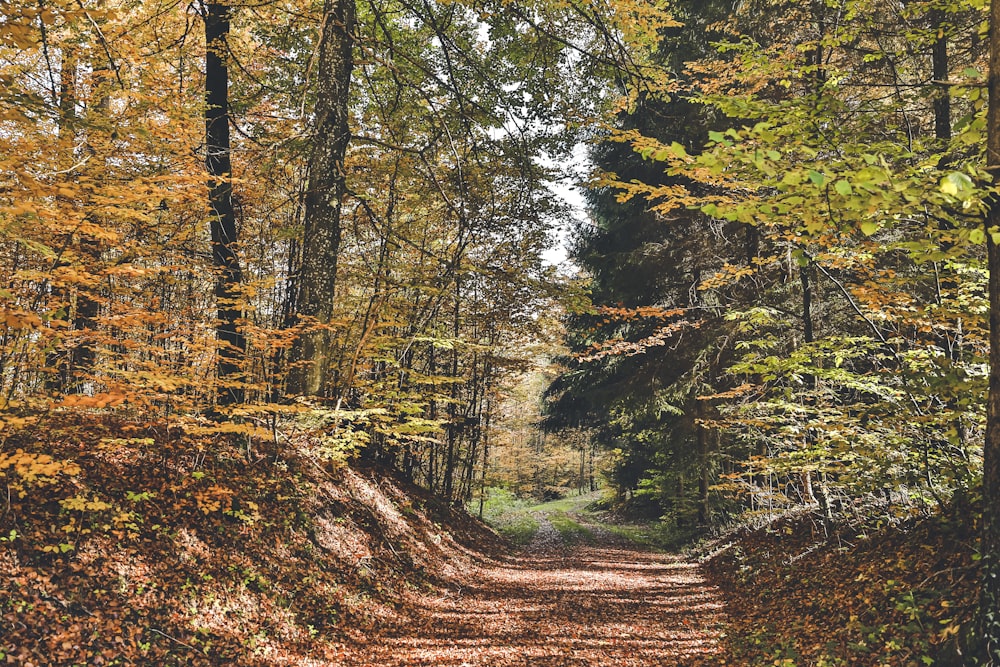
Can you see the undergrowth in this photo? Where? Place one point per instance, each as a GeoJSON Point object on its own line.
{"type": "Point", "coordinates": [570, 531]}
{"type": "Point", "coordinates": [130, 543]}
{"type": "Point", "coordinates": [659, 535]}
{"type": "Point", "coordinates": [508, 514]}
{"type": "Point", "coordinates": [859, 592]}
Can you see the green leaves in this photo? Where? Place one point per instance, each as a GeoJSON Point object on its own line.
{"type": "Point", "coordinates": [843, 188]}
{"type": "Point", "coordinates": [868, 227]}
{"type": "Point", "coordinates": [958, 185]}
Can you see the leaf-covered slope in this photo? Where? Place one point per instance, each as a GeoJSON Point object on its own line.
{"type": "Point", "coordinates": [865, 594]}
{"type": "Point", "coordinates": [135, 544]}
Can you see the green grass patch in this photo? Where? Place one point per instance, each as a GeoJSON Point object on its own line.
{"type": "Point", "coordinates": [570, 530]}
{"type": "Point", "coordinates": [576, 504]}
{"type": "Point", "coordinates": [655, 535]}
{"type": "Point", "coordinates": [508, 514]}
{"type": "Point", "coordinates": [518, 528]}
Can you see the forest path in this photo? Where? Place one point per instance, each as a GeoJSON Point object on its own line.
{"type": "Point", "coordinates": [576, 595]}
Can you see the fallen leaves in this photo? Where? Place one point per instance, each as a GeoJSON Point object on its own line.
{"type": "Point", "coordinates": [869, 594]}
{"type": "Point", "coordinates": [562, 603]}
{"type": "Point", "coordinates": [152, 547]}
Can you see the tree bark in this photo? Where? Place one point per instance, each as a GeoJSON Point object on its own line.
{"type": "Point", "coordinates": [486, 457]}
{"type": "Point", "coordinates": [704, 464]}
{"type": "Point", "coordinates": [57, 362]}
{"type": "Point", "coordinates": [988, 620]}
{"type": "Point", "coordinates": [939, 60]}
{"type": "Point", "coordinates": [232, 344]}
{"type": "Point", "coordinates": [325, 190]}
{"type": "Point", "coordinates": [454, 431]}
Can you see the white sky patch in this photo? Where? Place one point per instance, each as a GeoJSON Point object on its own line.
{"type": "Point", "coordinates": [570, 189]}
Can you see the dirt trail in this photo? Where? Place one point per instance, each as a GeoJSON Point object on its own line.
{"type": "Point", "coordinates": [605, 604]}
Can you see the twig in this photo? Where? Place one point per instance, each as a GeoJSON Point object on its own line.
{"type": "Point", "coordinates": [104, 44]}
{"type": "Point", "coordinates": [874, 327]}
{"type": "Point", "coordinates": [944, 571]}
{"type": "Point", "coordinates": [174, 639]}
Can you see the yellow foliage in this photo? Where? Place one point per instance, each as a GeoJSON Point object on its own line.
{"type": "Point", "coordinates": [250, 430]}
{"type": "Point", "coordinates": [35, 468]}
{"type": "Point", "coordinates": [210, 500]}
{"type": "Point", "coordinates": [80, 503]}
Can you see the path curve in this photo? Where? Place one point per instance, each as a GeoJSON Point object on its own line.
{"type": "Point", "coordinates": [606, 604]}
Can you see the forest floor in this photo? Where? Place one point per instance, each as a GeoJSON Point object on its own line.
{"type": "Point", "coordinates": [136, 544]}
{"type": "Point", "coordinates": [577, 594]}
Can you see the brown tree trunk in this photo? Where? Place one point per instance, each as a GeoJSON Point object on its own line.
{"type": "Point", "coordinates": [58, 363]}
{"type": "Point", "coordinates": [324, 193]}
{"type": "Point", "coordinates": [988, 622]}
{"type": "Point", "coordinates": [939, 60]}
{"type": "Point", "coordinates": [487, 418]}
{"type": "Point", "coordinates": [806, 276]}
{"type": "Point", "coordinates": [704, 479]}
{"type": "Point", "coordinates": [83, 357]}
{"type": "Point", "coordinates": [232, 344]}
{"type": "Point", "coordinates": [454, 431]}
{"type": "Point", "coordinates": [681, 502]}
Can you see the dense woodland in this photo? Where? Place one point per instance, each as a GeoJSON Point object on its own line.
{"type": "Point", "coordinates": [323, 223]}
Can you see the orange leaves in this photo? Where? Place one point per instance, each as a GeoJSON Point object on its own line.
{"type": "Point", "coordinates": [735, 392]}
{"type": "Point", "coordinates": [228, 427]}
{"type": "Point", "coordinates": [611, 313]}
{"type": "Point", "coordinates": [24, 469]}
{"type": "Point", "coordinates": [621, 347]}
{"type": "Point", "coordinates": [80, 503]}
{"type": "Point", "coordinates": [729, 274]}
{"type": "Point", "coordinates": [213, 498]}
{"type": "Point", "coordinates": [20, 319]}
{"type": "Point", "coordinates": [100, 401]}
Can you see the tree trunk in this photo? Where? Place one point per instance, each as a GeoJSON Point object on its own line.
{"type": "Point", "coordinates": [988, 620]}
{"type": "Point", "coordinates": [58, 364]}
{"type": "Point", "coordinates": [84, 355]}
{"type": "Point", "coordinates": [432, 450]}
{"type": "Point", "coordinates": [681, 502]}
{"type": "Point", "coordinates": [487, 418]}
{"type": "Point", "coordinates": [326, 189]}
{"type": "Point", "coordinates": [454, 430]}
{"type": "Point", "coordinates": [232, 344]}
{"type": "Point", "coordinates": [807, 277]}
{"type": "Point", "coordinates": [704, 478]}
{"type": "Point", "coordinates": [590, 470]}
{"type": "Point", "coordinates": [939, 59]}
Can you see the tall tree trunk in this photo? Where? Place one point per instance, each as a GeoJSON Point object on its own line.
{"type": "Point", "coordinates": [487, 417]}
{"type": "Point", "coordinates": [71, 369]}
{"type": "Point", "coordinates": [988, 620]}
{"type": "Point", "coordinates": [807, 278]}
{"type": "Point", "coordinates": [432, 450]}
{"type": "Point", "coordinates": [704, 461]}
{"type": "Point", "coordinates": [681, 502]}
{"type": "Point", "coordinates": [453, 427]}
{"type": "Point", "coordinates": [58, 363]}
{"type": "Point", "coordinates": [590, 468]}
{"type": "Point", "coordinates": [326, 188]}
{"type": "Point", "coordinates": [232, 344]}
{"type": "Point", "coordinates": [84, 355]}
{"type": "Point", "coordinates": [939, 60]}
